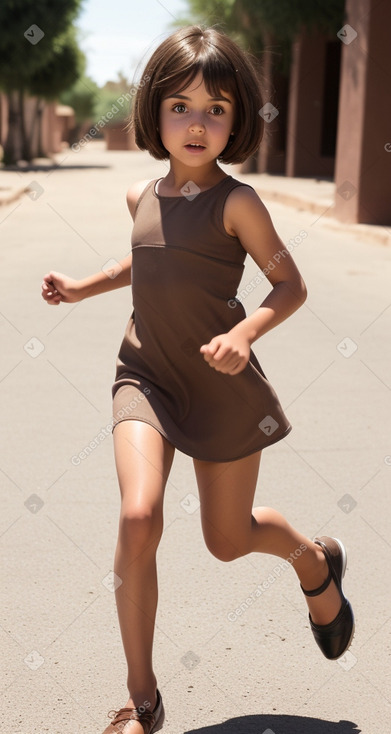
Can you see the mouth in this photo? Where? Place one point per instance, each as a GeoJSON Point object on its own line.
{"type": "Point", "coordinates": [195, 147]}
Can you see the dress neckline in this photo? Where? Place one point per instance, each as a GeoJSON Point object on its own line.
{"type": "Point", "coordinates": [182, 196]}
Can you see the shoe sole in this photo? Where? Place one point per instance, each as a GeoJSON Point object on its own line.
{"type": "Point", "coordinates": [344, 564]}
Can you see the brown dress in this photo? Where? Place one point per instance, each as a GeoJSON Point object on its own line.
{"type": "Point", "coordinates": [185, 273]}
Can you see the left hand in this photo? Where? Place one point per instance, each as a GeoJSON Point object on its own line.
{"type": "Point", "coordinates": [227, 353]}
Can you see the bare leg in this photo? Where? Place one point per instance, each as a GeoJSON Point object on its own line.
{"type": "Point", "coordinates": [232, 528]}
{"type": "Point", "coordinates": [143, 460]}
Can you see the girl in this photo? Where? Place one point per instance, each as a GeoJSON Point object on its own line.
{"type": "Point", "coordinates": [186, 376]}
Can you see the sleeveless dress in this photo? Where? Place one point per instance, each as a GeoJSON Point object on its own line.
{"type": "Point", "coordinates": [185, 273]}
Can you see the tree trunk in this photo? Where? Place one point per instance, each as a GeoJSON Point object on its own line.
{"type": "Point", "coordinates": [13, 143]}
{"type": "Point", "coordinates": [34, 121]}
{"type": "Point", "coordinates": [26, 148]}
{"type": "Point", "coordinates": [41, 152]}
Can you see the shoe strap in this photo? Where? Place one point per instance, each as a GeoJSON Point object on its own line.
{"type": "Point", "coordinates": [132, 714]}
{"type": "Point", "coordinates": [125, 714]}
{"type": "Point", "coordinates": [320, 589]}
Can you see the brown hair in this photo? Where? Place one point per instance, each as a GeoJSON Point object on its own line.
{"type": "Point", "coordinates": [224, 66]}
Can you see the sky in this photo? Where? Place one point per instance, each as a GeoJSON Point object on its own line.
{"type": "Point", "coordinates": [121, 35]}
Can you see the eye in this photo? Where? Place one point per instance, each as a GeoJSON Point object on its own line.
{"type": "Point", "coordinates": [216, 110]}
{"type": "Point", "coordinates": [180, 107]}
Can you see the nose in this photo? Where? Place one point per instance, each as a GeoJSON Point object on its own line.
{"type": "Point", "coordinates": [196, 126]}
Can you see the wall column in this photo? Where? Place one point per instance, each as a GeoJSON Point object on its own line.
{"type": "Point", "coordinates": [363, 166]}
{"type": "Point", "coordinates": [305, 113]}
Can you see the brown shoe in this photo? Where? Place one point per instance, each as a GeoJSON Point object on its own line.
{"type": "Point", "coordinates": [151, 721]}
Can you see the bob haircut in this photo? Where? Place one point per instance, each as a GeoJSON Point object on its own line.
{"type": "Point", "coordinates": [223, 65]}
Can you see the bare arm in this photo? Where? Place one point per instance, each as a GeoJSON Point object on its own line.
{"type": "Point", "coordinates": [59, 288]}
{"type": "Point", "coordinates": [251, 222]}
{"type": "Point", "coordinates": [108, 280]}
{"type": "Point", "coordinates": [247, 218]}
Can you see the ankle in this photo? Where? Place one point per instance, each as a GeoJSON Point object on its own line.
{"type": "Point", "coordinates": [144, 699]}
{"type": "Point", "coordinates": [315, 571]}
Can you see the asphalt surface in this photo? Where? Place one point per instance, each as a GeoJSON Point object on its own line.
{"type": "Point", "coordinates": [225, 663]}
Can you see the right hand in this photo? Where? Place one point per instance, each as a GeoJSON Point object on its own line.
{"type": "Point", "coordinates": [57, 287]}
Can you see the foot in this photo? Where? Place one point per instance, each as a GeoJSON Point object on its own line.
{"type": "Point", "coordinates": [147, 718]}
{"type": "Point", "coordinates": [333, 637]}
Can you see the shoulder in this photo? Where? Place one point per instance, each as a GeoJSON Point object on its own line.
{"type": "Point", "coordinates": [243, 204]}
{"type": "Point", "coordinates": [133, 194]}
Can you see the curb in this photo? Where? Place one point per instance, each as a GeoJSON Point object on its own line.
{"type": "Point", "coordinates": [7, 196]}
{"type": "Point", "coordinates": [369, 232]}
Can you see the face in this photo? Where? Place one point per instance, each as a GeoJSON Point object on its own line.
{"type": "Point", "coordinates": [195, 126]}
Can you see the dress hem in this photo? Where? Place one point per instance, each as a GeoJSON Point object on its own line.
{"type": "Point", "coordinates": [199, 458]}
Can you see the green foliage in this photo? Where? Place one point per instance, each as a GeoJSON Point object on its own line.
{"type": "Point", "coordinates": [93, 103]}
{"type": "Point", "coordinates": [114, 96]}
{"type": "Point", "coordinates": [65, 65]}
{"type": "Point", "coordinates": [285, 19]}
{"type": "Point", "coordinates": [83, 97]}
{"type": "Point", "coordinates": [255, 22]}
{"type": "Point", "coordinates": [20, 59]}
{"type": "Point", "coordinates": [218, 13]}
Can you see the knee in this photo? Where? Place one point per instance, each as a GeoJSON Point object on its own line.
{"type": "Point", "coordinates": [140, 526]}
{"type": "Point", "coordinates": [223, 550]}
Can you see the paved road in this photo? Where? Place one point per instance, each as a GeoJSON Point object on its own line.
{"type": "Point", "coordinates": [226, 664]}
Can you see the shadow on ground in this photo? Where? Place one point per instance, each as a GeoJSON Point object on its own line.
{"type": "Point", "coordinates": [277, 724]}
{"type": "Point", "coordinates": [50, 167]}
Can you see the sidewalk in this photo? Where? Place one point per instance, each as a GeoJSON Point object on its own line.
{"type": "Point", "coordinates": [233, 653]}
{"type": "Point", "coordinates": [315, 196]}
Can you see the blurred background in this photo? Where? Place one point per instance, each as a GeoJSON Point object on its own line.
{"type": "Point", "coordinates": [69, 70]}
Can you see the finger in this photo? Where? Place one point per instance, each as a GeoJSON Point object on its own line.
{"type": "Point", "coordinates": [223, 355]}
{"type": "Point", "coordinates": [231, 364]}
{"type": "Point", "coordinates": [208, 348]}
{"type": "Point", "coordinates": [207, 353]}
{"type": "Point", "coordinates": [48, 279]}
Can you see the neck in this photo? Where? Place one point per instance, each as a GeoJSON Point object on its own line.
{"type": "Point", "coordinates": [204, 177]}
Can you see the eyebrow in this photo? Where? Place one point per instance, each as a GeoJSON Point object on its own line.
{"type": "Point", "coordinates": [211, 99]}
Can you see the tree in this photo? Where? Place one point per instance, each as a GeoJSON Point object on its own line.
{"type": "Point", "coordinates": [66, 64]}
{"type": "Point", "coordinates": [83, 97]}
{"type": "Point", "coordinates": [27, 42]}
{"type": "Point", "coordinates": [257, 21]}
